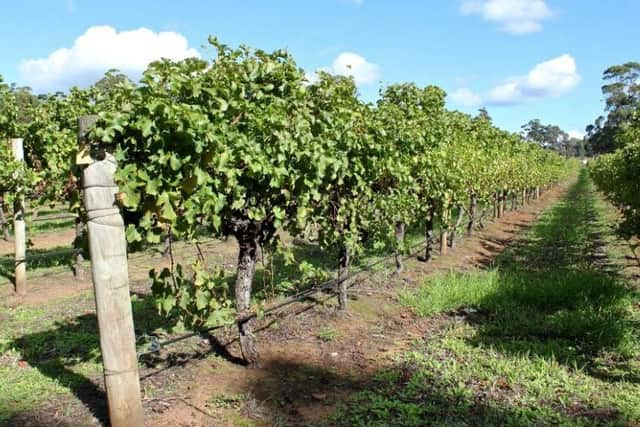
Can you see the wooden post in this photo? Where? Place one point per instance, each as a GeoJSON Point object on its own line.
{"type": "Point", "coordinates": [109, 271]}
{"type": "Point", "coordinates": [444, 242]}
{"type": "Point", "coordinates": [20, 235]}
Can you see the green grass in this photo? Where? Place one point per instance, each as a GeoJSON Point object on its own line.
{"type": "Point", "coordinates": [53, 224]}
{"type": "Point", "coordinates": [52, 351]}
{"type": "Point", "coordinates": [328, 334]}
{"type": "Point", "coordinates": [547, 336]}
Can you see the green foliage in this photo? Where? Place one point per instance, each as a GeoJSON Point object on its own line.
{"type": "Point", "coordinates": [16, 178]}
{"type": "Point", "coordinates": [348, 160]}
{"type": "Point", "coordinates": [244, 145]}
{"type": "Point", "coordinates": [198, 301]}
{"type": "Point", "coordinates": [617, 175]}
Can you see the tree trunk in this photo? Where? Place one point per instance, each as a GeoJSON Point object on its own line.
{"type": "Point", "coordinates": [3, 221]}
{"type": "Point", "coordinates": [473, 207]}
{"type": "Point", "coordinates": [454, 232]}
{"type": "Point", "coordinates": [34, 214]}
{"type": "Point", "coordinates": [537, 193]}
{"type": "Point", "coordinates": [428, 237]}
{"type": "Point", "coordinates": [399, 241]}
{"type": "Point", "coordinates": [501, 206]}
{"type": "Point", "coordinates": [514, 201]}
{"type": "Point", "coordinates": [247, 255]}
{"type": "Point", "coordinates": [343, 271]}
{"type": "Point", "coordinates": [496, 206]}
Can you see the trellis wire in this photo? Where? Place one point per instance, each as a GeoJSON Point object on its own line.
{"type": "Point", "coordinates": [155, 345]}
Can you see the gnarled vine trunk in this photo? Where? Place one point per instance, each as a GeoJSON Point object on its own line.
{"type": "Point", "coordinates": [454, 232]}
{"type": "Point", "coordinates": [78, 270]}
{"type": "Point", "coordinates": [3, 221]}
{"type": "Point", "coordinates": [428, 234]}
{"type": "Point", "coordinates": [247, 255]}
{"type": "Point", "coordinates": [473, 208]}
{"type": "Point", "coordinates": [343, 271]}
{"type": "Point", "coordinates": [399, 231]}
{"type": "Point", "coordinates": [167, 245]}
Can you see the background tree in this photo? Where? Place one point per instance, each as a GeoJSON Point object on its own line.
{"type": "Point", "coordinates": [547, 136]}
{"type": "Point", "coordinates": [621, 91]}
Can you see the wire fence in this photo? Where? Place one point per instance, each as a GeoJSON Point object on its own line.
{"type": "Point", "coordinates": [61, 260]}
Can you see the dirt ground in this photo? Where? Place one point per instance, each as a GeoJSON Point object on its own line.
{"type": "Point", "coordinates": [311, 357]}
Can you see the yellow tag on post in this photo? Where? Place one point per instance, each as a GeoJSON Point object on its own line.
{"type": "Point", "coordinates": [83, 157]}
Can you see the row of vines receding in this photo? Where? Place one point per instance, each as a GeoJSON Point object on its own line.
{"type": "Point", "coordinates": [247, 145]}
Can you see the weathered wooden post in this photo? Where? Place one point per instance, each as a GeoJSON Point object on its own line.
{"type": "Point", "coordinates": [19, 230]}
{"type": "Point", "coordinates": [109, 271]}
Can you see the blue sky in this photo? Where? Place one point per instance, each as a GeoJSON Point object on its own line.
{"type": "Point", "coordinates": [523, 59]}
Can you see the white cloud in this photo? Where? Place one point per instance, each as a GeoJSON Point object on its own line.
{"type": "Point", "coordinates": [351, 64]}
{"type": "Point", "coordinates": [577, 134]}
{"type": "Point", "coordinates": [551, 78]}
{"type": "Point", "coordinates": [466, 97]}
{"type": "Point", "coordinates": [513, 16]}
{"type": "Point", "coordinates": [99, 49]}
